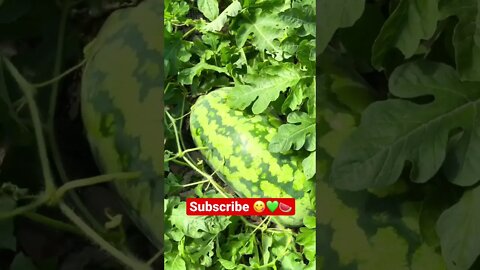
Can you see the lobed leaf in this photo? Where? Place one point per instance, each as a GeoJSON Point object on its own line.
{"type": "Point", "coordinates": [264, 28]}
{"type": "Point", "coordinates": [397, 131]}
{"type": "Point", "coordinates": [411, 22]}
{"type": "Point", "coordinates": [299, 132]}
{"type": "Point", "coordinates": [263, 88]}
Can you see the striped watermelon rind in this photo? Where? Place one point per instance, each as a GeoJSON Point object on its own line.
{"type": "Point", "coordinates": [121, 93]}
{"type": "Point", "coordinates": [237, 148]}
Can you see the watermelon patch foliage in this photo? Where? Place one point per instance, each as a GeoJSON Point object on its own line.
{"type": "Point", "coordinates": [238, 72]}
{"type": "Point", "coordinates": [405, 77]}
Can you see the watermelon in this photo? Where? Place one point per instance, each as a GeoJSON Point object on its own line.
{"type": "Point", "coordinates": [284, 208]}
{"type": "Point", "coordinates": [121, 93]}
{"type": "Point", "coordinates": [120, 108]}
{"type": "Point", "coordinates": [237, 148]}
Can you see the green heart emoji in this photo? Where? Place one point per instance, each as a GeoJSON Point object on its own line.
{"type": "Point", "coordinates": [272, 206]}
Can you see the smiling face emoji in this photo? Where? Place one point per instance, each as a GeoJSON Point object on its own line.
{"type": "Point", "coordinates": [259, 206]}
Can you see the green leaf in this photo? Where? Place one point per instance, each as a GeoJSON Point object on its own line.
{"type": "Point", "coordinates": [238, 245]}
{"type": "Point", "coordinates": [310, 222]}
{"type": "Point", "coordinates": [336, 14]}
{"type": "Point", "coordinates": [294, 99]}
{"type": "Point", "coordinates": [267, 241]}
{"type": "Point", "coordinates": [200, 251]}
{"type": "Point", "coordinates": [231, 11]}
{"type": "Point", "coordinates": [308, 165]}
{"type": "Point", "coordinates": [467, 48]}
{"type": "Point", "coordinates": [306, 238]}
{"type": "Point", "coordinates": [459, 231]}
{"type": "Point", "coordinates": [197, 226]}
{"type": "Point", "coordinates": [175, 53]}
{"type": "Point", "coordinates": [296, 18]}
{"type": "Point", "coordinates": [292, 261]}
{"type": "Point", "coordinates": [263, 88]}
{"type": "Point", "coordinates": [175, 262]}
{"type": "Point", "coordinates": [298, 133]}
{"type": "Point", "coordinates": [304, 89]}
{"type": "Point", "coordinates": [264, 28]}
{"type": "Point", "coordinates": [186, 75]}
{"type": "Point", "coordinates": [22, 262]}
{"type": "Point", "coordinates": [209, 8]}
{"type": "Point", "coordinates": [411, 22]}
{"type": "Point", "coordinates": [398, 130]}
{"type": "Point", "coordinates": [227, 264]}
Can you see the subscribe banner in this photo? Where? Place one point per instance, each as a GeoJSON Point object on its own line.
{"type": "Point", "coordinates": [240, 206]}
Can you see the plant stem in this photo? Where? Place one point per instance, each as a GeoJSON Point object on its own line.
{"type": "Point", "coordinates": [155, 257]}
{"type": "Point", "coordinates": [196, 183]}
{"type": "Point", "coordinates": [179, 162]}
{"type": "Point", "coordinates": [188, 33]}
{"type": "Point", "coordinates": [91, 181]}
{"type": "Point", "coordinates": [209, 177]}
{"type": "Point", "coordinates": [180, 155]}
{"type": "Point", "coordinates": [50, 130]}
{"type": "Point", "coordinates": [29, 91]}
{"type": "Point", "coordinates": [61, 76]}
{"type": "Point", "coordinates": [179, 149]}
{"type": "Point", "coordinates": [131, 262]}
{"type": "Point", "coordinates": [50, 222]}
{"type": "Point", "coordinates": [265, 220]}
{"type": "Point", "coordinates": [41, 199]}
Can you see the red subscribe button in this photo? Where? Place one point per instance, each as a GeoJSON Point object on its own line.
{"type": "Point", "coordinates": [240, 206]}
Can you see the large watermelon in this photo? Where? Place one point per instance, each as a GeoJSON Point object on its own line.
{"type": "Point", "coordinates": [238, 149]}
{"type": "Point", "coordinates": [121, 97]}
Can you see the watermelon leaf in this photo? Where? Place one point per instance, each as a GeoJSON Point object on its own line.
{"type": "Point", "coordinates": [336, 14]}
{"type": "Point", "coordinates": [209, 8]}
{"type": "Point", "coordinates": [308, 165]}
{"type": "Point", "coordinates": [263, 26]}
{"type": "Point", "coordinates": [186, 76]}
{"type": "Point", "coordinates": [411, 22]}
{"type": "Point", "coordinates": [197, 226]}
{"type": "Point", "coordinates": [459, 231]}
{"type": "Point", "coordinates": [467, 49]}
{"type": "Point", "coordinates": [231, 11]}
{"type": "Point", "coordinates": [306, 238]}
{"type": "Point", "coordinates": [265, 87]}
{"type": "Point", "coordinates": [395, 131]}
{"type": "Point", "coordinates": [299, 132]}
{"type": "Point", "coordinates": [298, 17]}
